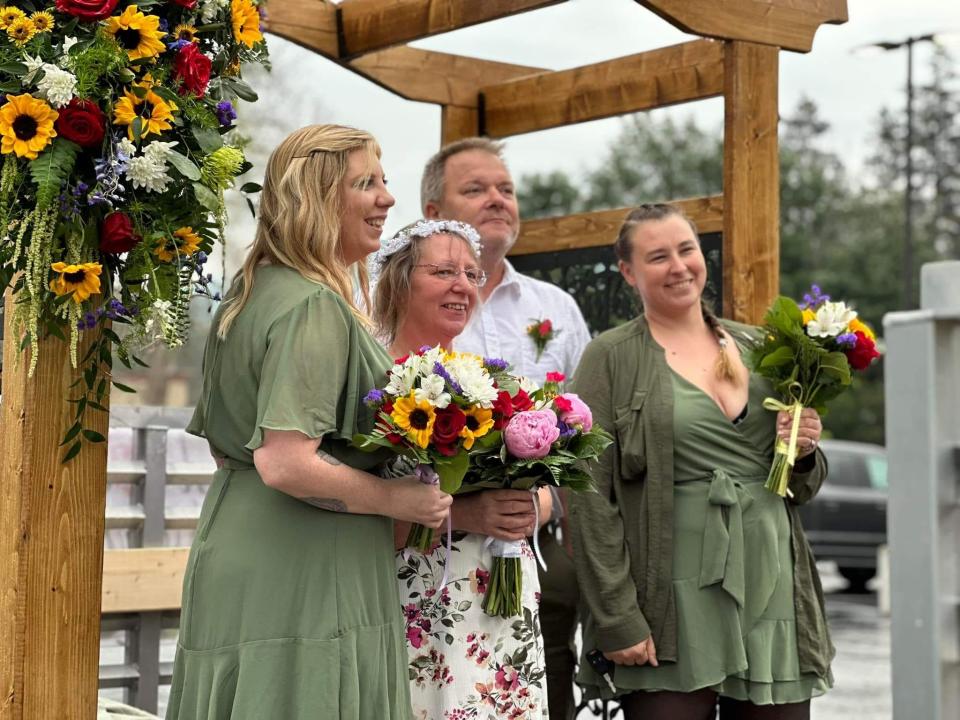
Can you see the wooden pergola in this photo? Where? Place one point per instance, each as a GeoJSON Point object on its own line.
{"type": "Point", "coordinates": [52, 515]}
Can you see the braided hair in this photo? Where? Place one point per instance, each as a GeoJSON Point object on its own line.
{"type": "Point", "coordinates": [623, 248]}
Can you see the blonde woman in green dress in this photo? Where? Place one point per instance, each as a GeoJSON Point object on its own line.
{"type": "Point", "coordinates": [290, 596]}
{"type": "Point", "coordinates": [699, 586]}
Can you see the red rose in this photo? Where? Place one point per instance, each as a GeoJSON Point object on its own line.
{"type": "Point", "coordinates": [192, 68]}
{"type": "Point", "coordinates": [545, 328]}
{"type": "Point", "coordinates": [502, 410]}
{"type": "Point", "coordinates": [863, 353]}
{"type": "Point", "coordinates": [82, 122]}
{"type": "Point", "coordinates": [447, 426]}
{"type": "Point", "coordinates": [556, 377]}
{"type": "Point", "coordinates": [562, 404]}
{"type": "Point", "coordinates": [117, 235]}
{"type": "Point", "coordinates": [87, 10]}
{"type": "Point", "coordinates": [188, 4]}
{"type": "Point", "coordinates": [521, 401]}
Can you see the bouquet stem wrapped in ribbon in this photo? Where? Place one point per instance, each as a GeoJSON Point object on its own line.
{"type": "Point", "coordinates": [808, 354]}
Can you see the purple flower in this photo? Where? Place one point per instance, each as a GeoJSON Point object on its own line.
{"type": "Point", "coordinates": [201, 257]}
{"type": "Point", "coordinates": [440, 370]}
{"type": "Point", "coordinates": [225, 113]}
{"type": "Point", "coordinates": [565, 430]}
{"type": "Point", "coordinates": [164, 25]}
{"type": "Point", "coordinates": [374, 397]}
{"type": "Point", "coordinates": [177, 45]}
{"type": "Point", "coordinates": [495, 364]}
{"type": "Point", "coordinates": [847, 340]}
{"type": "Point", "coordinates": [814, 298]}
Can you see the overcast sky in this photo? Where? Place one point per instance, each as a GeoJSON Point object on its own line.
{"type": "Point", "coordinates": [849, 88]}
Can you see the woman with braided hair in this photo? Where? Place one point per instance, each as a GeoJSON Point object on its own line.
{"type": "Point", "coordinates": [698, 583]}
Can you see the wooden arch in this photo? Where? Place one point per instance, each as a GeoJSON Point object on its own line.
{"type": "Point", "coordinates": [52, 515]}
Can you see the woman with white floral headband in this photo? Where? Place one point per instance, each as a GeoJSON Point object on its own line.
{"type": "Point", "coordinates": [463, 662]}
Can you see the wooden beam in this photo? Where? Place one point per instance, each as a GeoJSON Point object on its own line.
{"type": "Point", "coordinates": [309, 23]}
{"type": "Point", "coordinates": [751, 182]}
{"type": "Point", "coordinates": [143, 579]}
{"type": "Point", "coordinates": [458, 122]}
{"type": "Point", "coordinates": [790, 24]}
{"type": "Point", "coordinates": [376, 24]}
{"type": "Point", "coordinates": [594, 229]}
{"type": "Point", "coordinates": [435, 77]}
{"type": "Point", "coordinates": [690, 71]}
{"type": "Point", "coordinates": [51, 538]}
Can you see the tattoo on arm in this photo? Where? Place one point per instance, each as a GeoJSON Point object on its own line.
{"type": "Point", "coordinates": [329, 459]}
{"type": "Point", "coordinates": [331, 504]}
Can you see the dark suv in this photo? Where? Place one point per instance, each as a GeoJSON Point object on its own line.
{"type": "Point", "coordinates": [847, 521]}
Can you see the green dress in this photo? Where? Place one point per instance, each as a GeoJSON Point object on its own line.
{"type": "Point", "coordinates": [732, 561]}
{"type": "Point", "coordinates": [289, 611]}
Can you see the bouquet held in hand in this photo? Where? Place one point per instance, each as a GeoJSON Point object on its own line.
{"type": "Point", "coordinates": [808, 353]}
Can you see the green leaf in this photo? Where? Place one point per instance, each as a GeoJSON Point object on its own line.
{"type": "Point", "coordinates": [13, 68]}
{"type": "Point", "coordinates": [836, 366]}
{"type": "Point", "coordinates": [123, 388]}
{"type": "Point", "coordinates": [94, 436]}
{"type": "Point", "coordinates": [781, 356]}
{"type": "Point", "coordinates": [206, 197]}
{"type": "Point", "coordinates": [208, 140]}
{"type": "Point", "coordinates": [241, 89]}
{"type": "Point", "coordinates": [72, 452]}
{"type": "Point", "coordinates": [451, 471]}
{"type": "Point", "coordinates": [184, 165]}
{"type": "Point", "coordinates": [71, 433]}
{"type": "Point", "coordinates": [53, 166]}
{"type": "Point", "coordinates": [11, 86]}
{"type": "Point", "coordinates": [251, 187]}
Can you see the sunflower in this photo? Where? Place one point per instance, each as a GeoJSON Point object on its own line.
{"type": "Point", "coordinates": [8, 15]}
{"type": "Point", "coordinates": [42, 20]}
{"type": "Point", "coordinates": [21, 31]}
{"type": "Point", "coordinates": [26, 126]}
{"type": "Point", "coordinates": [168, 248]}
{"type": "Point", "coordinates": [479, 423]}
{"type": "Point", "coordinates": [246, 22]}
{"type": "Point", "coordinates": [81, 280]}
{"type": "Point", "coordinates": [154, 112]}
{"type": "Point", "coordinates": [185, 31]}
{"type": "Point", "coordinates": [416, 418]}
{"type": "Point", "coordinates": [137, 33]}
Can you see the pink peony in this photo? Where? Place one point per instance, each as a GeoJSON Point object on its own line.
{"type": "Point", "coordinates": [579, 415]}
{"type": "Point", "coordinates": [530, 434]}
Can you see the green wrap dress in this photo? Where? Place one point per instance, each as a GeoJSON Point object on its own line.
{"type": "Point", "coordinates": [289, 611]}
{"type": "Point", "coordinates": [732, 561]}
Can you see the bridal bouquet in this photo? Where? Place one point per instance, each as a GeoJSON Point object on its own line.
{"type": "Point", "coordinates": [808, 353]}
{"type": "Point", "coordinates": [436, 408]}
{"type": "Point", "coordinates": [115, 122]}
{"type": "Point", "coordinates": [543, 436]}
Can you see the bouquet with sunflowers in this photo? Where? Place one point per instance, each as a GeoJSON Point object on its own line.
{"type": "Point", "coordinates": [115, 125]}
{"type": "Point", "coordinates": [470, 425]}
{"type": "Point", "coordinates": [808, 353]}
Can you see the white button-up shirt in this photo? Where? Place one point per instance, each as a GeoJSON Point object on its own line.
{"type": "Point", "coordinates": [498, 328]}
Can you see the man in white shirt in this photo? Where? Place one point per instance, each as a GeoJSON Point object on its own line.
{"type": "Point", "coordinates": [468, 181]}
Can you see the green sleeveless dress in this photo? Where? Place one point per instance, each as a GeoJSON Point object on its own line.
{"type": "Point", "coordinates": [732, 562]}
{"type": "Point", "coordinates": [289, 611]}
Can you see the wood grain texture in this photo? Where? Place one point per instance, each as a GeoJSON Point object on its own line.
{"type": "Point", "coordinates": [458, 122]}
{"type": "Point", "coordinates": [790, 24]}
{"type": "Point", "coordinates": [376, 24]}
{"type": "Point", "coordinates": [751, 182]}
{"type": "Point", "coordinates": [51, 542]}
{"type": "Point", "coordinates": [593, 229]}
{"type": "Point", "coordinates": [671, 75]}
{"type": "Point", "coordinates": [143, 579]}
{"type": "Point", "coordinates": [309, 23]}
{"type": "Point", "coordinates": [435, 77]}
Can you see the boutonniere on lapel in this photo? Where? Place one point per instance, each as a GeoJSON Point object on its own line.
{"type": "Point", "coordinates": [541, 332]}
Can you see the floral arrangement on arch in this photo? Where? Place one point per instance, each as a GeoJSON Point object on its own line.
{"type": "Point", "coordinates": [115, 122]}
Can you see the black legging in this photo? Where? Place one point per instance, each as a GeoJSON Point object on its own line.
{"type": "Point", "coordinates": [702, 705]}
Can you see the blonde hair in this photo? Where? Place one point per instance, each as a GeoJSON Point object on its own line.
{"type": "Point", "coordinates": [300, 207]}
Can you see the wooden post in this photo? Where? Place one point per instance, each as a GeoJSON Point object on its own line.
{"type": "Point", "coordinates": [751, 181]}
{"type": "Point", "coordinates": [458, 122]}
{"type": "Point", "coordinates": [51, 540]}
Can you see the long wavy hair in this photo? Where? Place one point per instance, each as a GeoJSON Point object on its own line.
{"type": "Point", "coordinates": [300, 210]}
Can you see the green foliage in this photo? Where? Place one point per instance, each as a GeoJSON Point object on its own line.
{"type": "Point", "coordinates": [52, 168]}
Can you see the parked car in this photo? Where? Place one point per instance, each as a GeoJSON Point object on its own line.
{"type": "Point", "coordinates": [847, 521]}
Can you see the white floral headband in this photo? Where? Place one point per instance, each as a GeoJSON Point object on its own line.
{"type": "Point", "coordinates": [421, 229]}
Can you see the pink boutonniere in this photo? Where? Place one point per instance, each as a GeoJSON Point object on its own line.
{"type": "Point", "coordinates": [542, 332]}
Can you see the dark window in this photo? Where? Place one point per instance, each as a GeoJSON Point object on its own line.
{"type": "Point", "coordinates": [848, 469]}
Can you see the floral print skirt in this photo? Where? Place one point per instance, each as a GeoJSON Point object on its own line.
{"type": "Point", "coordinates": [464, 664]}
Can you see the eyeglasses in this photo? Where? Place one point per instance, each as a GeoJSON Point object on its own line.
{"type": "Point", "coordinates": [448, 273]}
